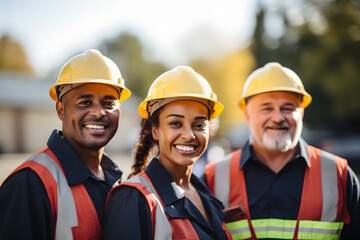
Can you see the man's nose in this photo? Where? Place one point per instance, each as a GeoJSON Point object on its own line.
{"type": "Point", "coordinates": [98, 111]}
{"type": "Point", "coordinates": [277, 116]}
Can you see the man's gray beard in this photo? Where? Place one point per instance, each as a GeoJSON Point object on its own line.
{"type": "Point", "coordinates": [281, 143]}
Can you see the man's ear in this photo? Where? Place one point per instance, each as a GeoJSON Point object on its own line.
{"type": "Point", "coordinates": [155, 133]}
{"type": "Point", "coordinates": [60, 110]}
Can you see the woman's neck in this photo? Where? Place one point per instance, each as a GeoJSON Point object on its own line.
{"type": "Point", "coordinates": [181, 175]}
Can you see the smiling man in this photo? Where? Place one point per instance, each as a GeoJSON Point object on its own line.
{"type": "Point", "coordinates": [60, 192]}
{"type": "Point", "coordinates": [277, 186]}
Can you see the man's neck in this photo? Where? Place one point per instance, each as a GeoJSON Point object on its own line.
{"type": "Point", "coordinates": [273, 159]}
{"type": "Point", "coordinates": [92, 160]}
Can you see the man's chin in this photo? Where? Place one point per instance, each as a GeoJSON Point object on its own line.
{"type": "Point", "coordinates": [96, 145]}
{"type": "Point", "coordinates": [277, 145]}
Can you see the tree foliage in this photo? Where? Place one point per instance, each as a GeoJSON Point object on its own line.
{"type": "Point", "coordinates": [127, 52]}
{"type": "Point", "coordinates": [227, 76]}
{"type": "Point", "coordinates": [324, 50]}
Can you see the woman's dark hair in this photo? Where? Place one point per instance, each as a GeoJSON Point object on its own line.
{"type": "Point", "coordinates": [145, 143]}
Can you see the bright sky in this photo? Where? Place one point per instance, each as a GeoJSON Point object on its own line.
{"type": "Point", "coordinates": [172, 31]}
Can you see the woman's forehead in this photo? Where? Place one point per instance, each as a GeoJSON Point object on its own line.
{"type": "Point", "coordinates": [187, 107]}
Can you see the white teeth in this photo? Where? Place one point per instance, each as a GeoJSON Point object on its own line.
{"type": "Point", "coordinates": [91, 126]}
{"type": "Point", "coordinates": [185, 148]}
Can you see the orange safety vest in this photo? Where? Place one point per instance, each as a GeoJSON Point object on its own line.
{"type": "Point", "coordinates": [164, 227]}
{"type": "Point", "coordinates": [74, 213]}
{"type": "Point", "coordinates": [322, 211]}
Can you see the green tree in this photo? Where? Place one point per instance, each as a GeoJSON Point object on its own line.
{"type": "Point", "coordinates": [323, 49]}
{"type": "Point", "coordinates": [127, 52]}
{"type": "Point", "coordinates": [226, 76]}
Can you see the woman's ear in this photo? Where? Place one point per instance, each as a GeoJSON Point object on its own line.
{"type": "Point", "coordinates": [60, 110]}
{"type": "Point", "coordinates": [155, 133]}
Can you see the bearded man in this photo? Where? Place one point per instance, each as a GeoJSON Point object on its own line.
{"type": "Point", "coordinates": [277, 186]}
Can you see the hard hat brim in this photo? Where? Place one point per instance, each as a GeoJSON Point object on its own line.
{"type": "Point", "coordinates": [306, 100]}
{"type": "Point", "coordinates": [125, 93]}
{"type": "Point", "coordinates": [217, 107]}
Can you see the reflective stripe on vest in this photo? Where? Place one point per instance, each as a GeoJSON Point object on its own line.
{"type": "Point", "coordinates": [162, 226]}
{"type": "Point", "coordinates": [284, 229]}
{"type": "Point", "coordinates": [323, 228]}
{"type": "Point", "coordinates": [222, 184]}
{"type": "Point", "coordinates": [329, 185]}
{"type": "Point", "coordinates": [239, 229]}
{"type": "Point", "coordinates": [319, 230]}
{"type": "Point", "coordinates": [67, 202]}
{"type": "Point", "coordinates": [165, 228]}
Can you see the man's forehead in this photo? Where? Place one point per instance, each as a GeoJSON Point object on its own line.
{"type": "Point", "coordinates": [96, 88]}
{"type": "Point", "coordinates": [269, 97]}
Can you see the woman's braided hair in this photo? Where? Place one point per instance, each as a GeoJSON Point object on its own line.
{"type": "Point", "coordinates": [145, 144]}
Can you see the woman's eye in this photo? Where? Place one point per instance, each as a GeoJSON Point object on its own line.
{"type": "Point", "coordinates": [177, 124]}
{"type": "Point", "coordinates": [110, 104]}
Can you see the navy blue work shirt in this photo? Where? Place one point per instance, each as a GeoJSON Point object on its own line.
{"type": "Point", "coordinates": [278, 195]}
{"type": "Point", "coordinates": [25, 210]}
{"type": "Point", "coordinates": [127, 215]}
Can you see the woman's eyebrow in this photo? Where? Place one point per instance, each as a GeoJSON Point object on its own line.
{"type": "Point", "coordinates": [175, 115]}
{"type": "Point", "coordinates": [201, 117]}
{"type": "Point", "coordinates": [110, 97]}
{"type": "Point", "coordinates": [181, 116]}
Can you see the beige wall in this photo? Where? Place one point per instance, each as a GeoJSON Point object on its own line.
{"type": "Point", "coordinates": [37, 128]}
{"type": "Point", "coordinates": [7, 125]}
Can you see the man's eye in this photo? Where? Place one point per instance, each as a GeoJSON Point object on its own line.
{"type": "Point", "coordinates": [200, 126]}
{"type": "Point", "coordinates": [288, 110]}
{"type": "Point", "coordinates": [266, 109]}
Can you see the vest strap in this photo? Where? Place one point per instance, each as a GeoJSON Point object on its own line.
{"type": "Point", "coordinates": [73, 210]}
{"type": "Point", "coordinates": [165, 227]}
{"type": "Point", "coordinates": [222, 184]}
{"type": "Point", "coordinates": [66, 210]}
{"type": "Point", "coordinates": [162, 226]}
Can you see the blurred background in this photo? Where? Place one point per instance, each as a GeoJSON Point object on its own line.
{"type": "Point", "coordinates": [222, 40]}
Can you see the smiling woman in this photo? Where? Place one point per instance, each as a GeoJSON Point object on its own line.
{"type": "Point", "coordinates": [182, 134]}
{"type": "Point", "coordinates": [165, 200]}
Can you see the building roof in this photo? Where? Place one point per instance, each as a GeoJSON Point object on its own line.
{"type": "Point", "coordinates": [20, 91]}
{"type": "Point", "coordinates": [26, 92]}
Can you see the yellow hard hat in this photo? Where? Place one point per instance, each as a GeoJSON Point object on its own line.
{"type": "Point", "coordinates": [272, 78]}
{"type": "Point", "coordinates": [181, 82]}
{"type": "Point", "coordinates": [90, 67]}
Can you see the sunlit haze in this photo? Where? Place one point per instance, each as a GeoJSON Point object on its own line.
{"type": "Point", "coordinates": [171, 31]}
